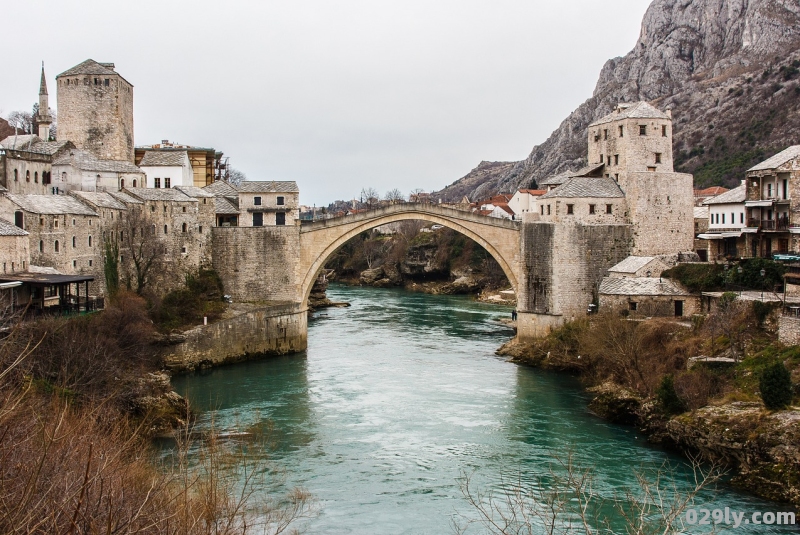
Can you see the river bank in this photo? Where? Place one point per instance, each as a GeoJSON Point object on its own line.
{"type": "Point", "coordinates": [721, 418]}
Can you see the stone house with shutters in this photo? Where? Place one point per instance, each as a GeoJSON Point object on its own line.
{"type": "Point", "coordinates": [773, 205]}
{"type": "Point", "coordinates": [63, 233]}
{"type": "Point", "coordinates": [268, 203]}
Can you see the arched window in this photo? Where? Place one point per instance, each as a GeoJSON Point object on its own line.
{"type": "Point", "coordinates": [41, 246]}
{"type": "Point", "coordinates": [165, 229]}
{"type": "Point", "coordinates": [27, 176]}
{"type": "Point", "coordinates": [153, 230]}
{"type": "Point", "coordinates": [16, 175]}
{"type": "Point", "coordinates": [56, 246]}
{"type": "Point", "coordinates": [36, 177]}
{"type": "Point", "coordinates": [134, 182]}
{"type": "Point", "coordinates": [183, 227]}
{"type": "Point", "coordinates": [74, 242]}
{"type": "Point", "coordinates": [121, 183]}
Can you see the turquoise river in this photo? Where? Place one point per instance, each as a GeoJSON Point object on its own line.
{"type": "Point", "coordinates": [400, 395]}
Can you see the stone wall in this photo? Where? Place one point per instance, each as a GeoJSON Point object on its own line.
{"type": "Point", "coordinates": [258, 263]}
{"type": "Point", "coordinates": [14, 253]}
{"type": "Point", "coordinates": [95, 116]}
{"type": "Point", "coordinates": [789, 330]}
{"type": "Point", "coordinates": [650, 306]}
{"type": "Point", "coordinates": [23, 172]}
{"type": "Point", "coordinates": [276, 329]}
{"type": "Point", "coordinates": [662, 212]}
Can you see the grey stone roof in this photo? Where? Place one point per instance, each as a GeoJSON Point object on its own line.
{"type": "Point", "coordinates": [274, 186]}
{"type": "Point", "coordinates": [736, 195]}
{"type": "Point", "coordinates": [595, 169]}
{"type": "Point", "coordinates": [701, 212]}
{"type": "Point", "coordinates": [160, 194]}
{"type": "Point", "coordinates": [122, 196]}
{"type": "Point", "coordinates": [89, 66]}
{"type": "Point", "coordinates": [87, 161]}
{"type": "Point", "coordinates": [632, 264]}
{"type": "Point", "coordinates": [194, 191]}
{"type": "Point", "coordinates": [163, 158]}
{"type": "Point", "coordinates": [99, 199]}
{"type": "Point", "coordinates": [50, 204]}
{"type": "Point", "coordinates": [640, 286]}
{"type": "Point", "coordinates": [23, 142]}
{"type": "Point", "coordinates": [220, 187]}
{"type": "Point", "coordinates": [779, 159]}
{"type": "Point", "coordinates": [223, 205]}
{"type": "Point", "coordinates": [51, 147]}
{"type": "Point", "coordinates": [578, 187]}
{"type": "Point", "coordinates": [10, 229]}
{"type": "Point", "coordinates": [635, 110]}
{"type": "Point", "coordinates": [555, 180]}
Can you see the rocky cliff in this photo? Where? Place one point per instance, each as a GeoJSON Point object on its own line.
{"type": "Point", "coordinates": [729, 70]}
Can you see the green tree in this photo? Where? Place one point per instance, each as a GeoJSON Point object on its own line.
{"type": "Point", "coordinates": [668, 397]}
{"type": "Point", "coordinates": [775, 384]}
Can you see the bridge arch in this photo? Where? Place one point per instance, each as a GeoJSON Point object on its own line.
{"type": "Point", "coordinates": [321, 239]}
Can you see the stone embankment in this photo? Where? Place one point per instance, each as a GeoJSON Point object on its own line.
{"type": "Point", "coordinates": [247, 331]}
{"type": "Point", "coordinates": [761, 448]}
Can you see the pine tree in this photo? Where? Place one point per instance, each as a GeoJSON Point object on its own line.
{"type": "Point", "coordinates": [668, 397]}
{"type": "Point", "coordinates": [776, 386]}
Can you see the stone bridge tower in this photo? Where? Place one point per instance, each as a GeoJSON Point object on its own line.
{"type": "Point", "coordinates": [95, 110]}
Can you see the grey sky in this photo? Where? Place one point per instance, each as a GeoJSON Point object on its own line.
{"type": "Point", "coordinates": [337, 95]}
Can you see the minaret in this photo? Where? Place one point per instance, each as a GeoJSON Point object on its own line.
{"type": "Point", "coordinates": [43, 118]}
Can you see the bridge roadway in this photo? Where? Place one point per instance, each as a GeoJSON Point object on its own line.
{"type": "Point", "coordinates": [320, 239]}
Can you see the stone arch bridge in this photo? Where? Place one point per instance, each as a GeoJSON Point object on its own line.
{"type": "Point", "coordinates": [555, 269]}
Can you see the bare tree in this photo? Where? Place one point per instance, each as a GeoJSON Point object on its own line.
{"type": "Point", "coordinates": [141, 252]}
{"type": "Point", "coordinates": [22, 121]}
{"type": "Point", "coordinates": [419, 195]}
{"type": "Point", "coordinates": [394, 196]}
{"type": "Point", "coordinates": [370, 197]}
{"type": "Point", "coordinates": [236, 177]}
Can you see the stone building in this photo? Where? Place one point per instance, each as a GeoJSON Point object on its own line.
{"type": "Point", "coordinates": [95, 110]}
{"type": "Point", "coordinates": [208, 165]}
{"type": "Point", "coordinates": [26, 163]}
{"type": "Point", "coordinates": [63, 233]}
{"type": "Point", "coordinates": [268, 203]}
{"type": "Point", "coordinates": [226, 203]}
{"type": "Point", "coordinates": [166, 169]}
{"type": "Point", "coordinates": [647, 297]}
{"type": "Point", "coordinates": [81, 170]}
{"type": "Point", "coordinates": [14, 250]}
{"type": "Point", "coordinates": [773, 205]}
{"type": "Point", "coordinates": [581, 199]}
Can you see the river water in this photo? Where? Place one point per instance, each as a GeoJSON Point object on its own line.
{"type": "Point", "coordinates": [400, 395]}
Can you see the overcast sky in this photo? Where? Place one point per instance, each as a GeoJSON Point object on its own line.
{"type": "Point", "coordinates": [337, 95]}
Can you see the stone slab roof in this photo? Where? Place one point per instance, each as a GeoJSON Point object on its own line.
{"type": "Point", "coordinates": [163, 158]}
{"type": "Point", "coordinates": [701, 212]}
{"type": "Point", "coordinates": [194, 191]}
{"type": "Point", "coordinates": [736, 195]}
{"type": "Point", "coordinates": [640, 286]}
{"type": "Point", "coordinates": [635, 110]}
{"type": "Point", "coordinates": [123, 196]}
{"type": "Point", "coordinates": [50, 204]}
{"type": "Point", "coordinates": [220, 187]}
{"type": "Point", "coordinates": [779, 159]}
{"type": "Point", "coordinates": [10, 229]}
{"type": "Point", "coordinates": [99, 199]}
{"type": "Point", "coordinates": [24, 142]}
{"type": "Point", "coordinates": [595, 169]}
{"type": "Point", "coordinates": [86, 161]}
{"type": "Point", "coordinates": [273, 186]}
{"type": "Point", "coordinates": [632, 264]}
{"type": "Point", "coordinates": [51, 147]}
{"type": "Point", "coordinates": [89, 66]}
{"type": "Point", "coordinates": [223, 205]}
{"type": "Point", "coordinates": [555, 180]}
{"type": "Point", "coordinates": [586, 187]}
{"type": "Point", "coordinates": [160, 194]}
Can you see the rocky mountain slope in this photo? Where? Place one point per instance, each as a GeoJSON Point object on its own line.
{"type": "Point", "coordinates": [729, 70]}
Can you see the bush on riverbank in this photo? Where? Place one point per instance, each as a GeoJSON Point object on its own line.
{"type": "Point", "coordinates": [201, 296]}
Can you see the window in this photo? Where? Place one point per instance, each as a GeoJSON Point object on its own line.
{"type": "Point", "coordinates": [156, 182]}
{"type": "Point", "coordinates": [548, 209]}
{"type": "Point", "coordinates": [280, 218]}
{"type": "Point", "coordinates": [200, 229]}
{"type": "Point", "coordinates": [73, 222]}
{"type": "Point", "coordinates": [121, 183]}
{"type": "Point", "coordinates": [55, 246]}
{"type": "Point", "coordinates": [55, 223]}
{"type": "Point", "coordinates": [741, 217]}
{"type": "Point", "coordinates": [257, 201]}
{"type": "Point", "coordinates": [74, 242]}
{"type": "Point", "coordinates": [36, 177]}
{"type": "Point", "coordinates": [605, 133]}
{"type": "Point", "coordinates": [601, 158]}
{"type": "Point", "coordinates": [542, 209]}
{"type": "Point", "coordinates": [633, 305]}
{"type": "Point", "coordinates": [105, 82]}
{"type": "Point", "coordinates": [27, 176]}
{"type": "Point", "coordinates": [90, 263]}
{"type": "Point", "coordinates": [664, 130]}
{"type": "Point", "coordinates": [621, 130]}
{"type": "Point", "coordinates": [733, 218]}
{"type": "Point", "coordinates": [591, 208]}
{"type": "Point", "coordinates": [19, 219]}
{"type": "Point", "coordinates": [74, 263]}
{"type": "Point", "coordinates": [184, 209]}
{"type": "Point", "coordinates": [723, 219]}
{"type": "Point", "coordinates": [166, 229]}
{"type": "Point", "coordinates": [616, 159]}
{"type": "Point", "coordinates": [183, 227]}
{"type": "Point", "coordinates": [153, 230]}
{"type": "Point", "coordinates": [183, 250]}
{"type": "Point", "coordinates": [769, 191]}
{"type": "Point", "coordinates": [41, 246]}
{"type": "Point", "coordinates": [41, 221]}
{"type": "Point", "coordinates": [642, 130]}
{"type": "Point", "coordinates": [134, 182]}
{"type": "Point", "coordinates": [90, 241]}
{"type": "Point", "coordinates": [16, 175]}
{"type": "Point", "coordinates": [64, 176]}
{"type": "Point", "coordinates": [165, 208]}
{"type": "Point", "coordinates": [280, 201]}
{"type": "Point", "coordinates": [608, 208]}
{"type": "Point", "coordinates": [658, 157]}
{"type": "Point", "coordinates": [570, 209]}
{"type": "Point", "coordinates": [166, 182]}
{"type": "Point", "coordinates": [258, 220]}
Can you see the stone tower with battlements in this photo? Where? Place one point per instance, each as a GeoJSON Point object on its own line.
{"type": "Point", "coordinates": [43, 118]}
{"type": "Point", "coordinates": [95, 110]}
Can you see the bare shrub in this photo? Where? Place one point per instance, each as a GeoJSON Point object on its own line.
{"type": "Point", "coordinates": [697, 387]}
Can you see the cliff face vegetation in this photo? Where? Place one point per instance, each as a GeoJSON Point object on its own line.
{"type": "Point", "coordinates": [729, 70]}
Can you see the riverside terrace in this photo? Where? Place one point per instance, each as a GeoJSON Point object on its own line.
{"type": "Point", "coordinates": [48, 293]}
